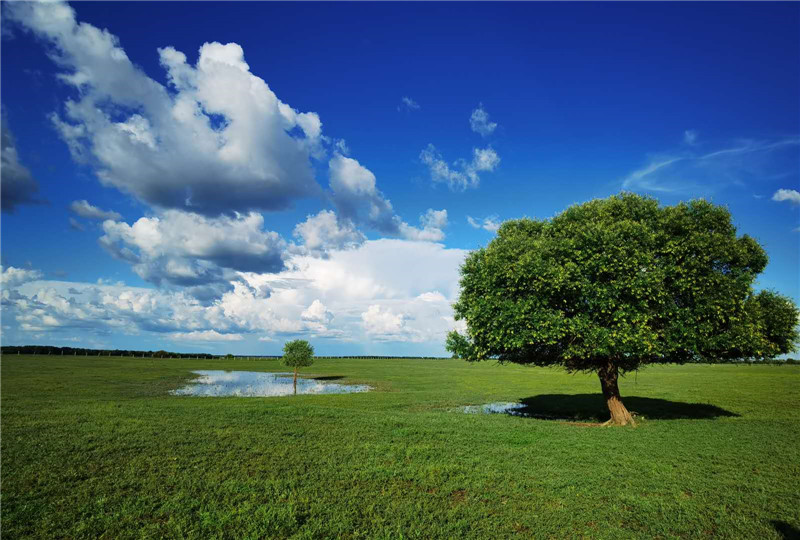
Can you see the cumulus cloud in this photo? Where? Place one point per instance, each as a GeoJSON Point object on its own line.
{"type": "Point", "coordinates": [13, 277]}
{"type": "Point", "coordinates": [60, 306]}
{"type": "Point", "coordinates": [88, 211]}
{"type": "Point", "coordinates": [301, 300]}
{"type": "Point", "coordinates": [324, 231]}
{"type": "Point", "coordinates": [216, 140]}
{"type": "Point", "coordinates": [359, 201]}
{"type": "Point", "coordinates": [408, 104]}
{"type": "Point", "coordinates": [317, 312]}
{"type": "Point", "coordinates": [188, 249]}
{"type": "Point", "coordinates": [490, 223]}
{"type": "Point", "coordinates": [204, 335]}
{"type": "Point", "coordinates": [741, 163]}
{"type": "Point", "coordinates": [791, 195]}
{"type": "Point", "coordinates": [356, 196]}
{"type": "Point", "coordinates": [433, 222]}
{"type": "Point", "coordinates": [480, 123]}
{"type": "Point", "coordinates": [17, 185]}
{"type": "Point", "coordinates": [385, 325]}
{"type": "Point", "coordinates": [462, 174]}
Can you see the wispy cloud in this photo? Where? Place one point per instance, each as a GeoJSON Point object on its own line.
{"type": "Point", "coordinates": [462, 174]}
{"type": "Point", "coordinates": [76, 225]}
{"type": "Point", "coordinates": [480, 123]}
{"type": "Point", "coordinates": [89, 211]}
{"type": "Point", "coordinates": [489, 223]}
{"type": "Point", "coordinates": [743, 162]}
{"type": "Point", "coordinates": [408, 104]}
{"type": "Point", "coordinates": [690, 136]}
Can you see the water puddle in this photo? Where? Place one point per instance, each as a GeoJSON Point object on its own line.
{"type": "Point", "coordinates": [514, 409]}
{"type": "Point", "coordinates": [259, 384]}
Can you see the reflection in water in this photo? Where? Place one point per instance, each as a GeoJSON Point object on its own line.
{"type": "Point", "coordinates": [257, 384]}
{"type": "Point", "coordinates": [514, 409]}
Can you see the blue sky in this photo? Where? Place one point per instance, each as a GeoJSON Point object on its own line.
{"type": "Point", "coordinates": [225, 176]}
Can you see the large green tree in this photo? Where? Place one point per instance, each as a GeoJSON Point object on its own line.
{"type": "Point", "coordinates": [614, 284]}
{"type": "Point", "coordinates": [296, 354]}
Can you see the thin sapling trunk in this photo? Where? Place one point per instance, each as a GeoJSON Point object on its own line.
{"type": "Point", "coordinates": [295, 380]}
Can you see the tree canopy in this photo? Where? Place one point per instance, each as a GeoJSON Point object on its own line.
{"type": "Point", "coordinates": [296, 354]}
{"type": "Point", "coordinates": [617, 283]}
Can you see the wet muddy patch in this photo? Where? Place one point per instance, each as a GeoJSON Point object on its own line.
{"type": "Point", "coordinates": [215, 383]}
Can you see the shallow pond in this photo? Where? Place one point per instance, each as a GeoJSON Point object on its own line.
{"type": "Point", "coordinates": [259, 384]}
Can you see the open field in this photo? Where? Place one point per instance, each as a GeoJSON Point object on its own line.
{"type": "Point", "coordinates": [95, 447]}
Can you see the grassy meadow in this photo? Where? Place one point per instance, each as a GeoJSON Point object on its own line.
{"type": "Point", "coordinates": [97, 448]}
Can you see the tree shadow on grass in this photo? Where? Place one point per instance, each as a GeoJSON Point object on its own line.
{"type": "Point", "coordinates": [328, 378]}
{"type": "Point", "coordinates": [787, 531]}
{"type": "Point", "coordinates": [592, 407]}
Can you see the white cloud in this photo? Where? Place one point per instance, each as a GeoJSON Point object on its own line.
{"type": "Point", "coordinates": [357, 197]}
{"type": "Point", "coordinates": [436, 219]}
{"type": "Point", "coordinates": [300, 300]}
{"type": "Point", "coordinates": [88, 211]}
{"type": "Point", "coordinates": [217, 140]}
{"type": "Point", "coordinates": [690, 136]}
{"type": "Point", "coordinates": [191, 250]}
{"type": "Point", "coordinates": [791, 195]}
{"type": "Point", "coordinates": [432, 296]}
{"type": "Point", "coordinates": [433, 222]}
{"type": "Point", "coordinates": [56, 305]}
{"type": "Point", "coordinates": [358, 201]}
{"type": "Point", "coordinates": [323, 232]}
{"type": "Point", "coordinates": [204, 335]}
{"type": "Point", "coordinates": [317, 312]}
{"type": "Point", "coordinates": [480, 123]}
{"type": "Point", "coordinates": [14, 277]}
{"type": "Point", "coordinates": [16, 182]}
{"type": "Point", "coordinates": [463, 174]}
{"type": "Point", "coordinates": [386, 325]}
{"type": "Point", "coordinates": [490, 223]}
{"type": "Point", "coordinates": [341, 146]}
{"type": "Point", "coordinates": [408, 104]}
{"type": "Point", "coordinates": [742, 163]}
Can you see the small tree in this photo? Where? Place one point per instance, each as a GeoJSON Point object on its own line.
{"type": "Point", "coordinates": [298, 353]}
{"type": "Point", "coordinates": [618, 283]}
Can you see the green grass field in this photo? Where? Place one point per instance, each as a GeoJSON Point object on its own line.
{"type": "Point", "coordinates": [97, 448]}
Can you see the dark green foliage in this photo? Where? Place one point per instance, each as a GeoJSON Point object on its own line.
{"type": "Point", "coordinates": [298, 353]}
{"type": "Point", "coordinates": [625, 281]}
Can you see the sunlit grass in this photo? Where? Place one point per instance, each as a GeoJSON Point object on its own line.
{"type": "Point", "coordinates": [97, 447]}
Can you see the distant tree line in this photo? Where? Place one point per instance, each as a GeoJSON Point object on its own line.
{"type": "Point", "coordinates": [82, 351]}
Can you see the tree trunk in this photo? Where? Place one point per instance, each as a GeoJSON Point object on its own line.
{"type": "Point", "coordinates": [295, 380]}
{"type": "Point", "coordinates": [608, 382]}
